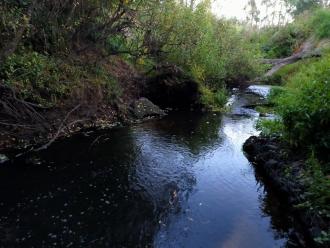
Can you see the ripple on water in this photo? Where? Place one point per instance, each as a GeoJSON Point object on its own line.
{"type": "Point", "coordinates": [178, 182]}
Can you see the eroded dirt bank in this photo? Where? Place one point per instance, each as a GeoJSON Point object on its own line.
{"type": "Point", "coordinates": [283, 169]}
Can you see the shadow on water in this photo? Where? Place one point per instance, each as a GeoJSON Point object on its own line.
{"type": "Point", "coordinates": [108, 188]}
{"type": "Point", "coordinates": [76, 193]}
{"type": "Point", "coordinates": [178, 182]}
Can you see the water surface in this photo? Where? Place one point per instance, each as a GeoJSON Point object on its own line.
{"type": "Point", "coordinates": [182, 181]}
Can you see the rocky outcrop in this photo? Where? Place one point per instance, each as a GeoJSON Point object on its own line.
{"type": "Point", "coordinates": [283, 170]}
{"type": "Point", "coordinates": [143, 108]}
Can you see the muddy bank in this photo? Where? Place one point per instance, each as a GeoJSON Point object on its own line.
{"type": "Point", "coordinates": [24, 124]}
{"type": "Point", "coordinates": [283, 169]}
{"type": "Point", "coordinates": [19, 138]}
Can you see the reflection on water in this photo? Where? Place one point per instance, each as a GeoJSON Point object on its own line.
{"type": "Point", "coordinates": [178, 182]}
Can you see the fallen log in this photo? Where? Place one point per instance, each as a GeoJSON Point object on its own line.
{"type": "Point", "coordinates": [308, 49]}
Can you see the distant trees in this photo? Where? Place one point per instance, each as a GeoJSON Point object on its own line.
{"type": "Point", "coordinates": [253, 12]}
{"type": "Point", "coordinates": [275, 12]}
{"type": "Point", "coordinates": [298, 6]}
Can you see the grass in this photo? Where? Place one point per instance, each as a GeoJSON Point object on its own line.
{"type": "Point", "coordinates": [215, 100]}
{"type": "Point", "coordinates": [320, 22]}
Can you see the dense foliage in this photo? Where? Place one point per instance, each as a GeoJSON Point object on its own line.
{"type": "Point", "coordinates": [305, 106]}
{"type": "Point", "coordinates": [38, 37]}
{"type": "Point", "coordinates": [303, 103]}
{"type": "Point", "coordinates": [321, 23]}
{"type": "Point", "coordinates": [282, 42]}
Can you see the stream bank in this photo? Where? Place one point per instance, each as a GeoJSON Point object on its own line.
{"type": "Point", "coordinates": [285, 170]}
{"type": "Point", "coordinates": [28, 126]}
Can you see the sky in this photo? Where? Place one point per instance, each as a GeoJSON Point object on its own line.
{"type": "Point", "coordinates": [235, 9]}
{"type": "Point", "coordinates": [230, 8]}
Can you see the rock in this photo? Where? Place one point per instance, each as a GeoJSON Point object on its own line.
{"type": "Point", "coordinates": [250, 145]}
{"type": "Point", "coordinates": [143, 108]}
{"type": "Point", "coordinates": [3, 158]}
{"type": "Point", "coordinates": [271, 163]}
{"type": "Point", "coordinates": [272, 147]}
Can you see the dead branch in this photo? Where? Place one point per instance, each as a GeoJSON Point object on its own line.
{"type": "Point", "coordinates": [17, 125]}
{"type": "Point", "coordinates": [95, 141]}
{"type": "Point", "coordinates": [19, 109]}
{"type": "Point", "coordinates": [60, 129]}
{"type": "Point", "coordinates": [307, 50]}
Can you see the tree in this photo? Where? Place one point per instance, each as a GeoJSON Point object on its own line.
{"type": "Point", "coordinates": [253, 12]}
{"type": "Point", "coordinates": [299, 6]}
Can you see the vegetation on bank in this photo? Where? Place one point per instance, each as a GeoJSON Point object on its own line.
{"type": "Point", "coordinates": [283, 41]}
{"type": "Point", "coordinates": [91, 59]}
{"type": "Point", "coordinates": [302, 103]}
{"type": "Point", "coordinates": [43, 44]}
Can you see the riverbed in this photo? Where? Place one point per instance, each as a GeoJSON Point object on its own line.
{"type": "Point", "coordinates": [182, 181]}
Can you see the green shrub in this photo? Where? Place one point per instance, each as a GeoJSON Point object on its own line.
{"type": "Point", "coordinates": [215, 100]}
{"type": "Point", "coordinates": [320, 23]}
{"type": "Point", "coordinates": [285, 41]}
{"type": "Point", "coordinates": [36, 77]}
{"type": "Point", "coordinates": [270, 127]}
{"type": "Point", "coordinates": [115, 44]}
{"type": "Point", "coordinates": [213, 51]}
{"type": "Point", "coordinates": [111, 88]}
{"type": "Point", "coordinates": [281, 44]}
{"type": "Point", "coordinates": [317, 195]}
{"type": "Point", "coordinates": [220, 97]}
{"type": "Point", "coordinates": [305, 107]}
{"type": "Point", "coordinates": [11, 19]}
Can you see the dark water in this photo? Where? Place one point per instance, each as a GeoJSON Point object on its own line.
{"type": "Point", "coordinates": [178, 182]}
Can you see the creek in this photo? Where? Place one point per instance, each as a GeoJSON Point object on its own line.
{"type": "Point", "coordinates": [182, 181]}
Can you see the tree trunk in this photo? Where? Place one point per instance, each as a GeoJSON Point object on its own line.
{"type": "Point", "coordinates": [307, 50]}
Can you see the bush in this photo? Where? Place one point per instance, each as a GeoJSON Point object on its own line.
{"type": "Point", "coordinates": [215, 100]}
{"type": "Point", "coordinates": [317, 195]}
{"type": "Point", "coordinates": [270, 127]}
{"type": "Point", "coordinates": [115, 44]}
{"type": "Point", "coordinates": [285, 41]}
{"type": "Point", "coordinates": [320, 23]}
{"type": "Point", "coordinates": [305, 107]}
{"type": "Point", "coordinates": [111, 88]}
{"type": "Point", "coordinates": [10, 21]}
{"type": "Point", "coordinates": [220, 97]}
{"type": "Point", "coordinates": [213, 51]}
{"type": "Point", "coordinates": [36, 77]}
